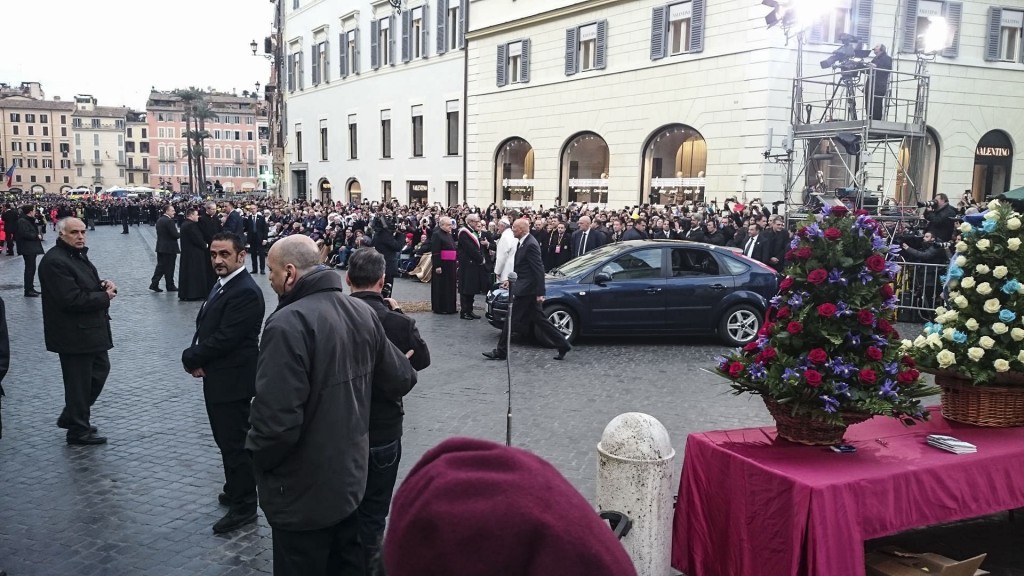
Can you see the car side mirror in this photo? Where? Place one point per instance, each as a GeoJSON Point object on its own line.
{"type": "Point", "coordinates": [602, 278]}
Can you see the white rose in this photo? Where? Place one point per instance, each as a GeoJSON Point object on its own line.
{"type": "Point", "coordinates": [983, 244]}
{"type": "Point", "coordinates": [1000, 271]}
{"type": "Point", "coordinates": [906, 344]}
{"type": "Point", "coordinates": [992, 214]}
{"type": "Point", "coordinates": [960, 301]}
{"type": "Point", "coordinates": [1017, 334]}
{"type": "Point", "coordinates": [940, 311]}
{"type": "Point", "coordinates": [975, 354]}
{"type": "Point", "coordinates": [971, 324]}
{"type": "Point", "coordinates": [934, 340]}
{"type": "Point", "coordinates": [945, 359]}
{"type": "Point", "coordinates": [950, 316]}
{"type": "Point", "coordinates": [1001, 365]}
{"type": "Point", "coordinates": [1000, 328]}
{"type": "Point", "coordinates": [966, 227]}
{"type": "Point", "coordinates": [961, 246]}
{"type": "Point", "coordinates": [961, 261]}
{"type": "Point", "coordinates": [1013, 223]}
{"type": "Point", "coordinates": [981, 269]}
{"type": "Point", "coordinates": [948, 333]}
{"type": "Point", "coordinates": [984, 289]}
{"type": "Point", "coordinates": [991, 306]}
{"type": "Point", "coordinates": [1013, 244]}
{"type": "Point", "coordinates": [986, 342]}
{"type": "Point", "coordinates": [1020, 356]}
{"type": "Point", "coordinates": [993, 204]}
{"type": "Point", "coordinates": [919, 342]}
{"type": "Point", "coordinates": [967, 282]}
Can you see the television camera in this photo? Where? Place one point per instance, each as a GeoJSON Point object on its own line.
{"type": "Point", "coordinates": [848, 59]}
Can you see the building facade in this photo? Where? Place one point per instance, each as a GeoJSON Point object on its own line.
{"type": "Point", "coordinates": [35, 135]}
{"type": "Point", "coordinates": [99, 144]}
{"type": "Point", "coordinates": [375, 100]}
{"type": "Point", "coordinates": [232, 147]}
{"type": "Point", "coordinates": [136, 149]}
{"type": "Point", "coordinates": [629, 102]}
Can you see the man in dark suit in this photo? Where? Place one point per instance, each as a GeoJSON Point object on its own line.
{"type": "Point", "coordinates": [10, 219]}
{"type": "Point", "coordinates": [5, 357]}
{"type": "Point", "coordinates": [208, 223]}
{"type": "Point", "coordinates": [754, 245]}
{"type": "Point", "coordinates": [233, 221]}
{"type": "Point", "coordinates": [30, 245]}
{"type": "Point", "coordinates": [256, 231]}
{"type": "Point", "coordinates": [527, 317]}
{"type": "Point", "coordinates": [366, 278]}
{"type": "Point", "coordinates": [778, 244]}
{"type": "Point", "coordinates": [166, 251]}
{"type": "Point", "coordinates": [878, 82]}
{"type": "Point", "coordinates": [584, 239]}
{"type": "Point", "coordinates": [77, 327]}
{"type": "Point", "coordinates": [223, 353]}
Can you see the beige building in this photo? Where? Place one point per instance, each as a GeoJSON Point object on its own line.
{"type": "Point", "coordinates": [99, 144]}
{"type": "Point", "coordinates": [35, 135]}
{"type": "Point", "coordinates": [136, 149]}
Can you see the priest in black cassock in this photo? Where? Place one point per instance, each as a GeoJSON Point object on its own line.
{"type": "Point", "coordinates": [443, 256]}
{"type": "Point", "coordinates": [195, 260]}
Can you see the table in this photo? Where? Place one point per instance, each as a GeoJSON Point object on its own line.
{"type": "Point", "coordinates": [752, 504]}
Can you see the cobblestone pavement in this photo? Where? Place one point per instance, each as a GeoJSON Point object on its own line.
{"type": "Point", "coordinates": [145, 503]}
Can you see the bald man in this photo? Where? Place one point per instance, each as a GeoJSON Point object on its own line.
{"type": "Point", "coordinates": [321, 355]}
{"type": "Point", "coordinates": [77, 327]}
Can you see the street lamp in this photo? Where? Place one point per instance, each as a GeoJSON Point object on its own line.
{"type": "Point", "coordinates": [256, 94]}
{"type": "Point", "coordinates": [396, 5]}
{"type": "Point", "coordinates": [253, 46]}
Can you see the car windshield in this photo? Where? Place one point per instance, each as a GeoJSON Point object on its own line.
{"type": "Point", "coordinates": [583, 263]}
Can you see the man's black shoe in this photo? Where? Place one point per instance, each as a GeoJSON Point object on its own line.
{"type": "Point", "coordinates": [233, 521]}
{"type": "Point", "coordinates": [493, 355]}
{"type": "Point", "coordinates": [32, 294]}
{"type": "Point", "coordinates": [223, 499]}
{"type": "Point", "coordinates": [155, 288]}
{"type": "Point", "coordinates": [63, 425]}
{"type": "Point", "coordinates": [472, 315]}
{"type": "Point", "coordinates": [172, 289]}
{"type": "Point", "coordinates": [561, 353]}
{"type": "Point", "coordinates": [87, 440]}
{"type": "Point", "coordinates": [467, 316]}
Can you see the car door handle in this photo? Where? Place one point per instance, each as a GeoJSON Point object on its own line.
{"type": "Point", "coordinates": [717, 287]}
{"type": "Point", "coordinates": [652, 290]}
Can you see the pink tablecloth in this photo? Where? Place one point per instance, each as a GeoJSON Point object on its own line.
{"type": "Point", "coordinates": [752, 504]}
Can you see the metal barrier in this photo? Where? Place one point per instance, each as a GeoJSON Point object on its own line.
{"type": "Point", "coordinates": [919, 291]}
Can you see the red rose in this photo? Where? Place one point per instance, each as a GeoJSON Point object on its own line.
{"type": "Point", "coordinates": [874, 353]}
{"type": "Point", "coordinates": [785, 284]}
{"type": "Point", "coordinates": [884, 327]}
{"type": "Point", "coordinates": [861, 212]}
{"type": "Point", "coordinates": [909, 361]}
{"type": "Point", "coordinates": [827, 310]}
{"type": "Point", "coordinates": [766, 330]}
{"type": "Point", "coordinates": [907, 377]}
{"type": "Point", "coordinates": [886, 291]}
{"type": "Point", "coordinates": [875, 263]}
{"type": "Point", "coordinates": [868, 376]}
{"type": "Point", "coordinates": [833, 233]}
{"type": "Point", "coordinates": [813, 378]}
{"type": "Point", "coordinates": [818, 356]}
{"type": "Point", "coordinates": [865, 317]}
{"type": "Point", "coordinates": [839, 211]}
{"type": "Point", "coordinates": [766, 355]}
{"type": "Point", "coordinates": [783, 313]}
{"type": "Point", "coordinates": [802, 231]}
{"type": "Point", "coordinates": [817, 276]}
{"type": "Point", "coordinates": [735, 369]}
{"type": "Point", "coordinates": [803, 253]}
{"type": "Point", "coordinates": [794, 328]}
{"type": "Point", "coordinates": [750, 347]}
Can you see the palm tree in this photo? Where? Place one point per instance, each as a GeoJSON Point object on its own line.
{"type": "Point", "coordinates": [202, 112]}
{"type": "Point", "coordinates": [189, 97]}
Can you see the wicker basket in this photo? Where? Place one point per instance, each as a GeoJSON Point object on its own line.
{"type": "Point", "coordinates": [994, 406]}
{"type": "Point", "coordinates": [804, 430]}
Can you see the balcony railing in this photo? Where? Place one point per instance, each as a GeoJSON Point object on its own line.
{"type": "Point", "coordinates": [97, 162]}
{"type": "Point", "coordinates": [238, 160]}
{"type": "Point", "coordinates": [79, 162]}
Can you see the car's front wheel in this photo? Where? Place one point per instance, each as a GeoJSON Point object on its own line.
{"type": "Point", "coordinates": [739, 325]}
{"type": "Point", "coordinates": [563, 319]}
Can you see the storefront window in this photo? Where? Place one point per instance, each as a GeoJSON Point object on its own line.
{"type": "Point", "coordinates": [325, 190]}
{"type": "Point", "coordinates": [675, 159]}
{"type": "Point", "coordinates": [585, 170]}
{"type": "Point", "coordinates": [513, 169]}
{"type": "Point", "coordinates": [418, 192]}
{"type": "Point", "coordinates": [993, 161]}
{"type": "Point", "coordinates": [355, 192]}
{"type": "Point", "coordinates": [923, 170]}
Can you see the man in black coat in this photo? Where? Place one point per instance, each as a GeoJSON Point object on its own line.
{"type": "Point", "coordinates": [256, 232]}
{"type": "Point", "coordinates": [10, 218]}
{"type": "Point", "coordinates": [527, 293]}
{"type": "Point", "coordinates": [30, 245]}
{"type": "Point", "coordinates": [637, 232]}
{"type": "Point", "coordinates": [195, 260]}
{"type": "Point", "coordinates": [5, 357]}
{"type": "Point", "coordinates": [755, 244]}
{"type": "Point", "coordinates": [584, 239]}
{"type": "Point", "coordinates": [210, 226]}
{"type": "Point", "coordinates": [76, 326]}
{"type": "Point", "coordinates": [166, 251]}
{"type": "Point", "coordinates": [472, 276]}
{"type": "Point", "coordinates": [778, 244]}
{"type": "Point", "coordinates": [233, 220]}
{"type": "Point", "coordinates": [366, 279]}
{"type": "Point", "coordinates": [386, 241]}
{"type": "Point", "coordinates": [878, 82]}
{"type": "Point", "coordinates": [223, 353]}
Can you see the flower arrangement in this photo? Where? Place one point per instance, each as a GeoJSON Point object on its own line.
{"type": "Point", "coordinates": [828, 347]}
{"type": "Point", "coordinates": [979, 335]}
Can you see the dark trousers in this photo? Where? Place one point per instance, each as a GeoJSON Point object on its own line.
{"type": "Point", "coordinates": [466, 303]}
{"type": "Point", "coordinates": [164, 268]}
{"type": "Point", "coordinates": [10, 243]}
{"type": "Point", "coordinates": [84, 376]}
{"type": "Point", "coordinates": [259, 257]}
{"type": "Point", "coordinates": [528, 320]}
{"type": "Point", "coordinates": [229, 422]}
{"type": "Point", "coordinates": [30, 272]}
{"type": "Point", "coordinates": [124, 225]}
{"type": "Point", "coordinates": [380, 486]}
{"type": "Point", "coordinates": [331, 551]}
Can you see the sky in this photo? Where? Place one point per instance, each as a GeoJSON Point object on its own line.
{"type": "Point", "coordinates": [117, 50]}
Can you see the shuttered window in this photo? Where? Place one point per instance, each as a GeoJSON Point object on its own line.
{"type": "Point", "coordinates": [513, 62]}
{"type": "Point", "coordinates": [1003, 35]}
{"type": "Point", "coordinates": [414, 33]}
{"type": "Point", "coordinates": [677, 28]}
{"type": "Point", "coordinates": [917, 20]}
{"type": "Point", "coordinates": [343, 55]}
{"type": "Point", "coordinates": [586, 47]}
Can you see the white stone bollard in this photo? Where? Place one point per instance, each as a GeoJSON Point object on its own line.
{"type": "Point", "coordinates": [634, 476]}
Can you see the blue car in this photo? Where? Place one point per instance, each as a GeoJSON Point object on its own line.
{"type": "Point", "coordinates": [655, 287]}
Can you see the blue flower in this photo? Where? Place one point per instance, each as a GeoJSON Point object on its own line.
{"type": "Point", "coordinates": [831, 404]}
{"type": "Point", "coordinates": [796, 300]}
{"type": "Point", "coordinates": [890, 303]}
{"type": "Point", "coordinates": [863, 223]}
{"type": "Point", "coordinates": [1011, 286]}
{"type": "Point", "coordinates": [836, 277]}
{"type": "Point", "coordinates": [852, 340]}
{"type": "Point", "coordinates": [879, 341]}
{"type": "Point", "coordinates": [826, 210]}
{"type": "Point", "coordinates": [776, 300]}
{"type": "Point", "coordinates": [894, 249]}
{"type": "Point", "coordinates": [842, 309]}
{"type": "Point", "coordinates": [955, 272]}
{"type": "Point", "coordinates": [722, 362]}
{"type": "Point", "coordinates": [790, 374]}
{"type": "Point", "coordinates": [877, 243]}
{"type": "Point", "coordinates": [865, 276]}
{"type": "Point", "coordinates": [1006, 315]}
{"type": "Point", "coordinates": [959, 337]}
{"type": "Point", "coordinates": [794, 243]}
{"type": "Point", "coordinates": [989, 226]}
{"type": "Point", "coordinates": [892, 367]}
{"type": "Point", "coordinates": [888, 390]}
{"type": "Point", "coordinates": [814, 231]}
{"type": "Point", "coordinates": [756, 371]}
{"type": "Point", "coordinates": [842, 388]}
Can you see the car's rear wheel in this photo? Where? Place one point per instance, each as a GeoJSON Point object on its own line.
{"type": "Point", "coordinates": [740, 325]}
{"type": "Point", "coordinates": [563, 319]}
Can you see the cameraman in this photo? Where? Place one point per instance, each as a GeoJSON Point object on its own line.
{"type": "Point", "coordinates": [940, 216]}
{"type": "Point", "coordinates": [927, 282]}
{"type": "Point", "coordinates": [388, 239]}
{"type": "Point", "coordinates": [879, 81]}
{"type": "Point", "coordinates": [930, 253]}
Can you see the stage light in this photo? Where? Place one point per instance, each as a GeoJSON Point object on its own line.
{"type": "Point", "coordinates": [797, 15]}
{"type": "Point", "coordinates": [936, 37]}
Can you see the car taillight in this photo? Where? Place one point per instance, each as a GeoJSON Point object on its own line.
{"type": "Point", "coordinates": [759, 264]}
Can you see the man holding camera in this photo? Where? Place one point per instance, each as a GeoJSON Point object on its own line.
{"type": "Point", "coordinates": [940, 216]}
{"type": "Point", "coordinates": [386, 241]}
{"type": "Point", "coordinates": [878, 85]}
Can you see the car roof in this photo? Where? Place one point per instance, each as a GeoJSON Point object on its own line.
{"type": "Point", "coordinates": [637, 243]}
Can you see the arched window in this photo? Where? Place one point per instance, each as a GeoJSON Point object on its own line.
{"type": "Point", "coordinates": [324, 186]}
{"type": "Point", "coordinates": [513, 173]}
{"type": "Point", "coordinates": [675, 158]}
{"type": "Point", "coordinates": [355, 191]}
{"type": "Point", "coordinates": [584, 169]}
{"type": "Point", "coordinates": [993, 162]}
{"type": "Point", "coordinates": [921, 160]}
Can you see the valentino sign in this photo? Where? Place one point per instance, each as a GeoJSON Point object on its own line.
{"type": "Point", "coordinates": [992, 151]}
